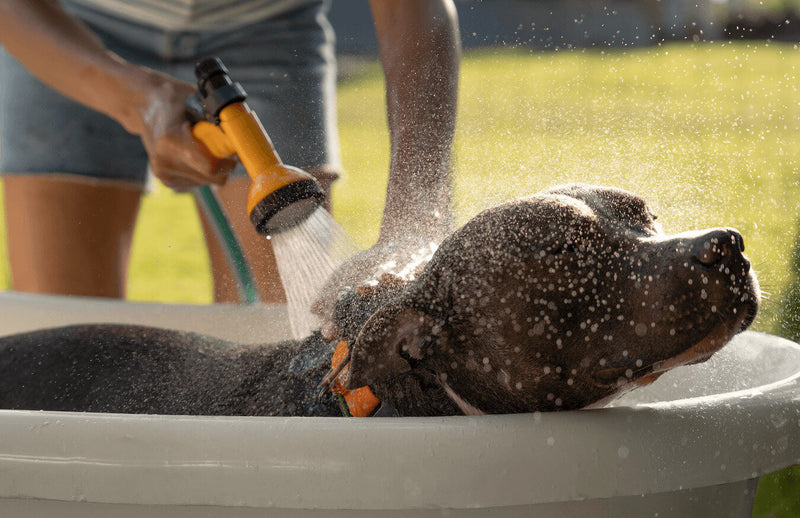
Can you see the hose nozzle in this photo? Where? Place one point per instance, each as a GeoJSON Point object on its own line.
{"type": "Point", "coordinates": [280, 196]}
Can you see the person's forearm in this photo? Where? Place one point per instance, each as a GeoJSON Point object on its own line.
{"type": "Point", "coordinates": [63, 53]}
{"type": "Point", "coordinates": [420, 51]}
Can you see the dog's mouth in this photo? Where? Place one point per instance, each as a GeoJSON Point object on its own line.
{"type": "Point", "coordinates": [698, 353]}
{"type": "Point", "coordinates": [633, 373]}
{"type": "Point", "coordinates": [624, 378]}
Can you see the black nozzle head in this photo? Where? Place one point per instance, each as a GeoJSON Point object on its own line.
{"type": "Point", "coordinates": [215, 87]}
{"type": "Point", "coordinates": [209, 67]}
{"type": "Point", "coordinates": [287, 207]}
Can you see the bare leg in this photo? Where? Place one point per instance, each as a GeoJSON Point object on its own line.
{"type": "Point", "coordinates": [257, 249]}
{"type": "Point", "coordinates": [68, 236]}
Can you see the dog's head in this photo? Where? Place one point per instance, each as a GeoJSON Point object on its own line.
{"type": "Point", "coordinates": [556, 301]}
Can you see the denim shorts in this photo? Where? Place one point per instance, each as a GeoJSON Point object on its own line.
{"type": "Point", "coordinates": [286, 64]}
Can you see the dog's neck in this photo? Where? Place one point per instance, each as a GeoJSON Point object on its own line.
{"type": "Point", "coordinates": [417, 393]}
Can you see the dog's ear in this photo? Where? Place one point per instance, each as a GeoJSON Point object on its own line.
{"type": "Point", "coordinates": [392, 337]}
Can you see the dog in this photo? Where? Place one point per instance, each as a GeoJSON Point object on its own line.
{"type": "Point", "coordinates": [557, 301]}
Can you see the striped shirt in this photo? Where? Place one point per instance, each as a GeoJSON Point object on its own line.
{"type": "Point", "coordinates": [191, 15]}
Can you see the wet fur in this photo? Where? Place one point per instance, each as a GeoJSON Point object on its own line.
{"type": "Point", "coordinates": [555, 301]}
{"type": "Point", "coordinates": [133, 369]}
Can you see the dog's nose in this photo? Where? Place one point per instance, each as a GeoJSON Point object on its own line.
{"type": "Point", "coordinates": [718, 246]}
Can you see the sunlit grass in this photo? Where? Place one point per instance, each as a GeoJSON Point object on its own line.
{"type": "Point", "coordinates": [773, 7]}
{"type": "Point", "coordinates": [5, 274]}
{"type": "Point", "coordinates": [708, 133]}
{"type": "Point", "coordinates": [169, 260]}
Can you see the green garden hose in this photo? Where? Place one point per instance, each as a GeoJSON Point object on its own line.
{"type": "Point", "coordinates": [223, 231]}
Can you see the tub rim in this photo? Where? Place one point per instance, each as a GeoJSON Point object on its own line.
{"type": "Point", "coordinates": [115, 458]}
{"type": "Point", "coordinates": [266, 461]}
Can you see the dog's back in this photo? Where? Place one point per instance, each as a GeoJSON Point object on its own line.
{"type": "Point", "coordinates": [130, 369]}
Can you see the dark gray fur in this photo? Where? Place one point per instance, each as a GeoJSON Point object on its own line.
{"type": "Point", "coordinates": [132, 369]}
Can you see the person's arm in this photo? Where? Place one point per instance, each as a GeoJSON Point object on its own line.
{"type": "Point", "coordinates": [420, 51]}
{"type": "Point", "coordinates": [66, 55]}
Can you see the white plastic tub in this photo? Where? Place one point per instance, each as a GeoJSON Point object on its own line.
{"type": "Point", "coordinates": [691, 444]}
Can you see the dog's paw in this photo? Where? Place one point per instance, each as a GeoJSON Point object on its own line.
{"type": "Point", "coordinates": [385, 282]}
{"type": "Point", "coordinates": [383, 265]}
{"type": "Point", "coordinates": [354, 306]}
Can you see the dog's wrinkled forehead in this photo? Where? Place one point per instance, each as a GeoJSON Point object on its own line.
{"type": "Point", "coordinates": [553, 237]}
{"type": "Point", "coordinates": [560, 217]}
{"type": "Point", "coordinates": [622, 208]}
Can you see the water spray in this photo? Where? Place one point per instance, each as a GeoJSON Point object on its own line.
{"type": "Point", "coordinates": [284, 202]}
{"type": "Point", "coordinates": [281, 197]}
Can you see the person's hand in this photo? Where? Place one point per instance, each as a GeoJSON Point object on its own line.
{"type": "Point", "coordinates": [61, 51]}
{"type": "Point", "coordinates": [402, 259]}
{"type": "Point", "coordinates": [175, 158]}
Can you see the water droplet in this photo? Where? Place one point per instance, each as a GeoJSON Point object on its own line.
{"type": "Point", "coordinates": [623, 452]}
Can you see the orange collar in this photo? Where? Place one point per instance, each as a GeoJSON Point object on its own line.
{"type": "Point", "coordinates": [360, 402]}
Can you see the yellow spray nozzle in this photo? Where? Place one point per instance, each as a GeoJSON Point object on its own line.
{"type": "Point", "coordinates": [280, 196]}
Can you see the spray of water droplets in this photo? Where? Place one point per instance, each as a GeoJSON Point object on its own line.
{"type": "Point", "coordinates": [307, 255]}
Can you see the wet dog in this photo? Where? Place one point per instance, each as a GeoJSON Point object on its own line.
{"type": "Point", "coordinates": [553, 302]}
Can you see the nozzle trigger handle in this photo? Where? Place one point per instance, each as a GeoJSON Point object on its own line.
{"type": "Point", "coordinates": [206, 133]}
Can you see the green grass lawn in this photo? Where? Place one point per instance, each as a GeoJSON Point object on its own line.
{"type": "Point", "coordinates": [709, 133]}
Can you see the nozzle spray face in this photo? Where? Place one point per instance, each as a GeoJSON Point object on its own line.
{"type": "Point", "coordinates": [281, 196]}
{"type": "Point", "coordinates": [287, 206]}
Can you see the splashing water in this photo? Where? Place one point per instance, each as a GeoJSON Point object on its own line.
{"type": "Point", "coordinates": [307, 255]}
